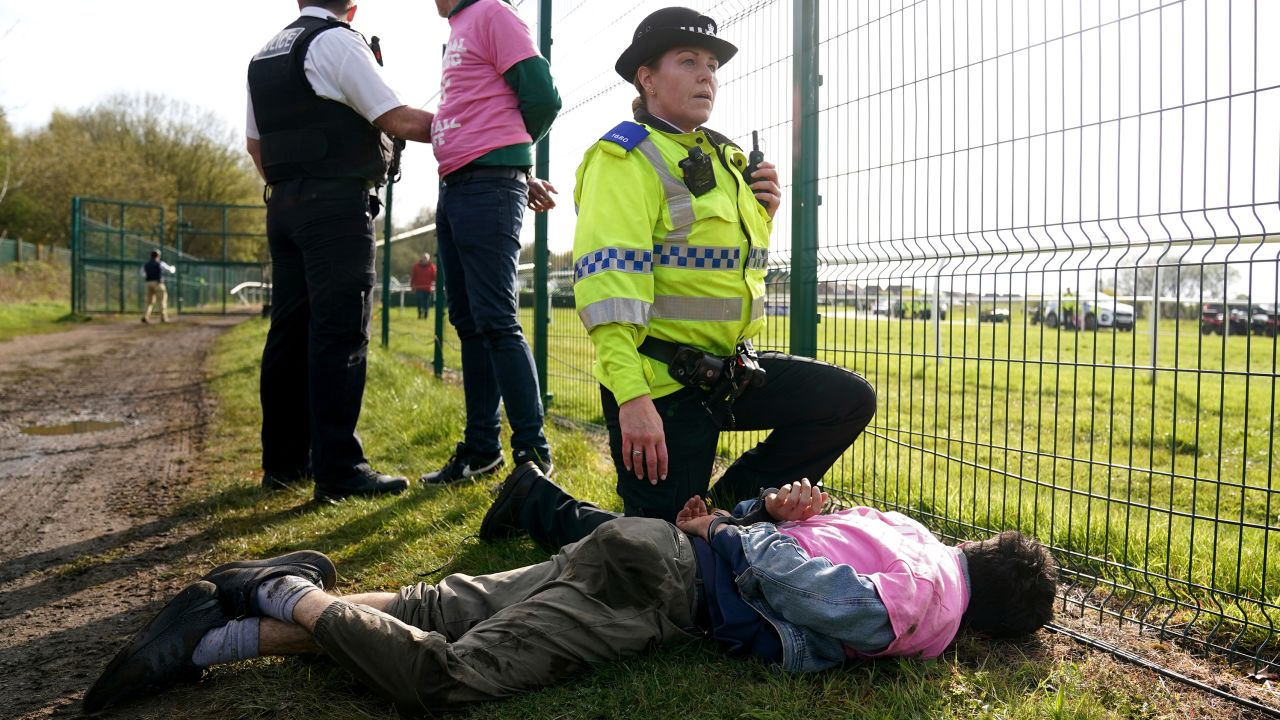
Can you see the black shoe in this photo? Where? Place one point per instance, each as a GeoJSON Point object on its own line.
{"type": "Point", "coordinates": [503, 518]}
{"type": "Point", "coordinates": [237, 582]}
{"type": "Point", "coordinates": [159, 655]}
{"type": "Point", "coordinates": [285, 480]}
{"type": "Point", "coordinates": [370, 484]}
{"type": "Point", "coordinates": [463, 465]}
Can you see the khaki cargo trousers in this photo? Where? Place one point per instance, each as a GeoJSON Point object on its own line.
{"type": "Point", "coordinates": [628, 586]}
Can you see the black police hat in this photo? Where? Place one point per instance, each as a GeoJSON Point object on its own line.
{"type": "Point", "coordinates": [668, 28]}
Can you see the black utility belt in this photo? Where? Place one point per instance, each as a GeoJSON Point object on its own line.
{"type": "Point", "coordinates": [470, 172]}
{"type": "Point", "coordinates": [724, 379]}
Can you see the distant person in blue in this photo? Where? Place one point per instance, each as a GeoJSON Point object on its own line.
{"type": "Point", "coordinates": [154, 271]}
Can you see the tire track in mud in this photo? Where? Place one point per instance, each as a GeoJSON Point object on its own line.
{"type": "Point", "coordinates": [88, 542]}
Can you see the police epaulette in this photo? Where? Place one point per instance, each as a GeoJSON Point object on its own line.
{"type": "Point", "coordinates": [627, 134]}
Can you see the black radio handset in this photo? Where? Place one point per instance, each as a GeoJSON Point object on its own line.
{"type": "Point", "coordinates": [753, 161]}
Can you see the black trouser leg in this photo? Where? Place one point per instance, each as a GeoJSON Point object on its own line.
{"type": "Point", "coordinates": [554, 518]}
{"type": "Point", "coordinates": [330, 225]}
{"type": "Point", "coordinates": [815, 410]}
{"type": "Point", "coordinates": [691, 437]}
{"type": "Point", "coordinates": [282, 389]}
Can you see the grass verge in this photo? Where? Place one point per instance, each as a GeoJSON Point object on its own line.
{"type": "Point", "coordinates": [30, 318]}
{"type": "Point", "coordinates": [410, 423]}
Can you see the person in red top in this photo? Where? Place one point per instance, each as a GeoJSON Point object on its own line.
{"type": "Point", "coordinates": [423, 282]}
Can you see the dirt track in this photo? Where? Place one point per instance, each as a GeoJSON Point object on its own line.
{"type": "Point", "coordinates": [86, 539]}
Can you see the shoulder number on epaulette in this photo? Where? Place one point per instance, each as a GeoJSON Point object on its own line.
{"type": "Point", "coordinates": [627, 135]}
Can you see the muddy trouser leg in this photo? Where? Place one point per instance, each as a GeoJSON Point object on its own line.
{"type": "Point", "coordinates": [625, 588]}
{"type": "Point", "coordinates": [815, 410]}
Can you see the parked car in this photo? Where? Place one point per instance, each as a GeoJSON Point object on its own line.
{"type": "Point", "coordinates": [1265, 320]}
{"type": "Point", "coordinates": [1215, 319]}
{"type": "Point", "coordinates": [995, 315]}
{"type": "Point", "coordinates": [917, 310]}
{"type": "Point", "coordinates": [1092, 314]}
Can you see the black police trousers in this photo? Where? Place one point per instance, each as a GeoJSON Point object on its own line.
{"type": "Point", "coordinates": [815, 411]}
{"type": "Point", "coordinates": [320, 233]}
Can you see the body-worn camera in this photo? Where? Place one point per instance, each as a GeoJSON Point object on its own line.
{"type": "Point", "coordinates": [699, 172]}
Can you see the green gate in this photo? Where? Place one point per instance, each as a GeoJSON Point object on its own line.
{"type": "Point", "coordinates": [110, 239]}
{"type": "Point", "coordinates": [223, 263]}
{"type": "Point", "coordinates": [219, 252]}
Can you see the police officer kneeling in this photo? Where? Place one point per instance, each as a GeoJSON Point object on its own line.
{"type": "Point", "coordinates": [671, 250]}
{"type": "Point", "coordinates": [319, 117]}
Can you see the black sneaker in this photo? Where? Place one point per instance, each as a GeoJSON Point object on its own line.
{"type": "Point", "coordinates": [523, 456]}
{"type": "Point", "coordinates": [503, 518]}
{"type": "Point", "coordinates": [463, 465]}
{"type": "Point", "coordinates": [370, 484]}
{"type": "Point", "coordinates": [285, 480]}
{"type": "Point", "coordinates": [159, 655]}
{"type": "Point", "coordinates": [237, 582]}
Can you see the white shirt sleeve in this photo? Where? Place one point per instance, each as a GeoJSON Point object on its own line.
{"type": "Point", "coordinates": [250, 121]}
{"type": "Point", "coordinates": [341, 67]}
{"type": "Point", "coordinates": [166, 267]}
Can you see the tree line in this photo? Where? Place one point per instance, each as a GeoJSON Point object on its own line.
{"type": "Point", "coordinates": [142, 148]}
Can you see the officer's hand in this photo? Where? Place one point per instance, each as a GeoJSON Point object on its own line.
{"type": "Point", "coordinates": [540, 192]}
{"type": "Point", "coordinates": [795, 501]}
{"type": "Point", "coordinates": [766, 187]}
{"type": "Point", "coordinates": [644, 444]}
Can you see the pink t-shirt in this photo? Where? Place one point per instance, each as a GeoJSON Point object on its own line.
{"type": "Point", "coordinates": [479, 111]}
{"type": "Point", "coordinates": [919, 579]}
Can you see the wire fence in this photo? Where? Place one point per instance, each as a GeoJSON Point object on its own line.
{"type": "Point", "coordinates": [1048, 233]}
{"type": "Point", "coordinates": [14, 250]}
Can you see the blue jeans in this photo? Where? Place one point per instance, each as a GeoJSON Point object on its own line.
{"type": "Point", "coordinates": [478, 230]}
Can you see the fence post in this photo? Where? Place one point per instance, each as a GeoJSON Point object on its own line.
{"type": "Point", "coordinates": [75, 255]}
{"type": "Point", "coordinates": [386, 267]}
{"type": "Point", "coordinates": [541, 256]}
{"type": "Point", "coordinates": [804, 182]}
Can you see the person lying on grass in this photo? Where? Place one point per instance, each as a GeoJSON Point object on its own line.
{"type": "Point", "coordinates": [777, 580]}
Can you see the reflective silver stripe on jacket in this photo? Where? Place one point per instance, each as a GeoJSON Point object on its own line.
{"type": "Point", "coordinates": [679, 199]}
{"type": "Point", "coordinates": [697, 257]}
{"type": "Point", "coordinates": [757, 308]}
{"type": "Point", "coordinates": [616, 310]}
{"type": "Point", "coordinates": [703, 309]}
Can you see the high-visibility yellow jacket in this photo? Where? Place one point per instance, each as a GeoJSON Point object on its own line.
{"type": "Point", "coordinates": [651, 259]}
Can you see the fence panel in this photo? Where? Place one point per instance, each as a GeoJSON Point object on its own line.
{"type": "Point", "coordinates": [1047, 232]}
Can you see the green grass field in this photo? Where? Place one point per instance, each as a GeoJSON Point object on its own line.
{"type": "Point", "coordinates": [1160, 476]}
{"type": "Point", "coordinates": [409, 424]}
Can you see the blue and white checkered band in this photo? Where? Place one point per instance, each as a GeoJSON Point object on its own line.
{"type": "Point", "coordinates": [759, 259]}
{"type": "Point", "coordinates": [612, 258]}
{"type": "Point", "coordinates": [708, 29]}
{"type": "Point", "coordinates": [694, 257]}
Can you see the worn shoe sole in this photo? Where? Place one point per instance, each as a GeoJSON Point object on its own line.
{"type": "Point", "coordinates": [495, 526]}
{"type": "Point", "coordinates": [159, 655]}
{"type": "Point", "coordinates": [305, 563]}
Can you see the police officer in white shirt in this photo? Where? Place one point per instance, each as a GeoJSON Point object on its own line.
{"type": "Point", "coordinates": [319, 116]}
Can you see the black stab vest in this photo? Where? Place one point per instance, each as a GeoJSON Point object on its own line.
{"type": "Point", "coordinates": [304, 135]}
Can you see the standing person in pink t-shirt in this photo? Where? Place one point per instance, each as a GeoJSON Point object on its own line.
{"type": "Point", "coordinates": [497, 98]}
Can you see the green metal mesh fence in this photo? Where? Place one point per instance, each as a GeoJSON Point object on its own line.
{"type": "Point", "coordinates": [1046, 232]}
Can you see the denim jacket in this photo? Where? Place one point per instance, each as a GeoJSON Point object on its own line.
{"type": "Point", "coordinates": [815, 606]}
{"type": "Point", "coordinates": [818, 608]}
